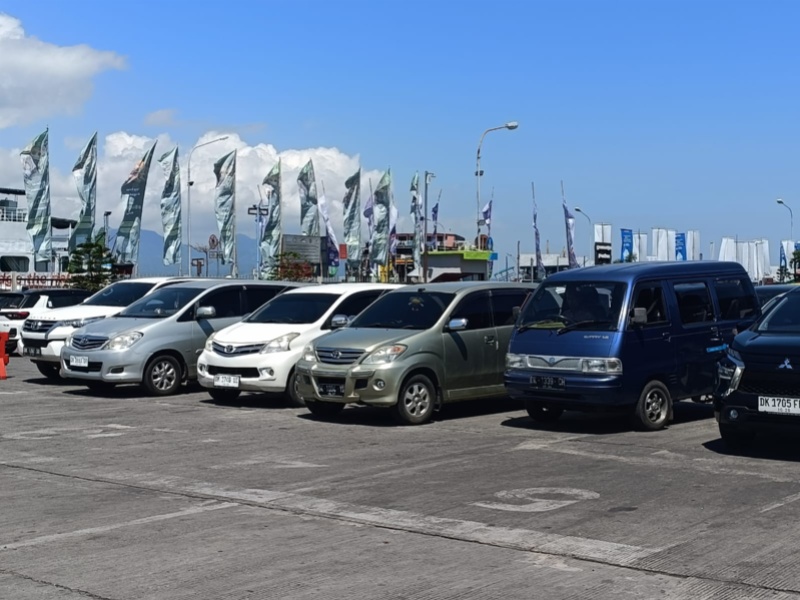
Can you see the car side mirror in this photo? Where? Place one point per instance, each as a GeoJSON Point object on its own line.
{"type": "Point", "coordinates": [457, 325]}
{"type": "Point", "coordinates": [639, 316]}
{"type": "Point", "coordinates": [515, 312]}
{"type": "Point", "coordinates": [205, 312]}
{"type": "Point", "coordinates": [339, 321]}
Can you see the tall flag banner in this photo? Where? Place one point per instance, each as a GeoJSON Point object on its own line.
{"type": "Point", "coordinates": [540, 272]}
{"type": "Point", "coordinates": [171, 207]}
{"type": "Point", "coordinates": [85, 174]}
{"type": "Point", "coordinates": [225, 204]}
{"type": "Point", "coordinates": [126, 244]}
{"type": "Point", "coordinates": [627, 245]}
{"type": "Point", "coordinates": [352, 221]}
{"type": "Point", "coordinates": [486, 214]}
{"type": "Point", "coordinates": [435, 219]}
{"type": "Point", "coordinates": [419, 220]}
{"type": "Point", "coordinates": [782, 262]}
{"type": "Point", "coordinates": [680, 246]}
{"type": "Point", "coordinates": [393, 230]}
{"type": "Point", "coordinates": [309, 212]}
{"type": "Point", "coordinates": [379, 251]}
{"type": "Point", "coordinates": [36, 175]}
{"type": "Point", "coordinates": [569, 221]}
{"type": "Point", "coordinates": [331, 245]}
{"type": "Point", "coordinates": [270, 245]}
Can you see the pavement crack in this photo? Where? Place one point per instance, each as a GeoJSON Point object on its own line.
{"type": "Point", "coordinates": [65, 588]}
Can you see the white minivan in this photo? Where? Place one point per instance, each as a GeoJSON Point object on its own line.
{"type": "Point", "coordinates": [258, 354]}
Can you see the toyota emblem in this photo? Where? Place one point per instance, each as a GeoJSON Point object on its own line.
{"type": "Point", "coordinates": [336, 354]}
{"type": "Point", "coordinates": [228, 349]}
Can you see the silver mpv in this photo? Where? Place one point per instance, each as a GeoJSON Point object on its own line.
{"type": "Point", "coordinates": [156, 340]}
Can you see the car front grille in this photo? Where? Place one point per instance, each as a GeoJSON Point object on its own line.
{"type": "Point", "coordinates": [88, 342]}
{"type": "Point", "coordinates": [770, 384]}
{"type": "Point", "coordinates": [232, 350]}
{"type": "Point", "coordinates": [339, 356]}
{"type": "Point", "coordinates": [36, 326]}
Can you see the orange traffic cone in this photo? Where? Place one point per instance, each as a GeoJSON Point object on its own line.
{"type": "Point", "coordinates": [3, 355]}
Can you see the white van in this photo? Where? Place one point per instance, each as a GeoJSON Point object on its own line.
{"type": "Point", "coordinates": [259, 353]}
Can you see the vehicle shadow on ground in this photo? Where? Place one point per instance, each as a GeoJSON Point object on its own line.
{"type": "Point", "coordinates": [121, 392]}
{"type": "Point", "coordinates": [372, 416]}
{"type": "Point", "coordinates": [778, 446]}
{"type": "Point", "coordinates": [266, 401]}
{"type": "Point", "coordinates": [610, 423]}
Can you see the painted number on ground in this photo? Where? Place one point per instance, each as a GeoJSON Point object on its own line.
{"type": "Point", "coordinates": [539, 499]}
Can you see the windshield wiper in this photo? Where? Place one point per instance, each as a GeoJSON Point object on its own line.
{"type": "Point", "coordinates": [542, 323]}
{"type": "Point", "coordinates": [581, 324]}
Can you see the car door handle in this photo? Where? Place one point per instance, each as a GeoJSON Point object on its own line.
{"type": "Point", "coordinates": [489, 339]}
{"type": "Point", "coordinates": [666, 335]}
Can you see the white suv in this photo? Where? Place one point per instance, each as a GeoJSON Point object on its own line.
{"type": "Point", "coordinates": [259, 353]}
{"type": "Point", "coordinates": [44, 335]}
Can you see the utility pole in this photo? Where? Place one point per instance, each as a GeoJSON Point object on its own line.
{"type": "Point", "coordinates": [428, 177]}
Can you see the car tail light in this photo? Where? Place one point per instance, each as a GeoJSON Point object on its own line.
{"type": "Point", "coordinates": [17, 316]}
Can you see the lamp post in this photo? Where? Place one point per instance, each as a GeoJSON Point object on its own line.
{"type": "Point", "coordinates": [106, 214]}
{"type": "Point", "coordinates": [428, 177]}
{"type": "Point", "coordinates": [511, 125]}
{"type": "Point", "coordinates": [591, 233]}
{"type": "Point", "coordinates": [189, 184]}
{"type": "Point", "coordinates": [791, 219]}
{"type": "Point", "coordinates": [260, 211]}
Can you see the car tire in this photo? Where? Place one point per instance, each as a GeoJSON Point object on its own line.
{"type": "Point", "coordinates": [48, 370]}
{"type": "Point", "coordinates": [324, 410]}
{"type": "Point", "coordinates": [224, 395]}
{"type": "Point", "coordinates": [416, 401]}
{"type": "Point", "coordinates": [654, 408]}
{"type": "Point", "coordinates": [100, 387]}
{"type": "Point", "coordinates": [292, 393]}
{"type": "Point", "coordinates": [162, 375]}
{"type": "Point", "coordinates": [734, 438]}
{"type": "Point", "coordinates": [542, 413]}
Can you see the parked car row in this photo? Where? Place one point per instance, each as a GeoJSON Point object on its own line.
{"type": "Point", "coordinates": [633, 338]}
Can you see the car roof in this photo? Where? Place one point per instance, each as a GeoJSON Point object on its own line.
{"type": "Point", "coordinates": [454, 287]}
{"type": "Point", "coordinates": [50, 291]}
{"type": "Point", "coordinates": [207, 284]}
{"type": "Point", "coordinates": [627, 272]}
{"type": "Point", "coordinates": [345, 288]}
{"type": "Point", "coordinates": [776, 288]}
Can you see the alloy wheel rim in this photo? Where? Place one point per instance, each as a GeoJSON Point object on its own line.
{"type": "Point", "coordinates": [163, 375]}
{"type": "Point", "coordinates": [654, 406]}
{"type": "Point", "coordinates": [417, 399]}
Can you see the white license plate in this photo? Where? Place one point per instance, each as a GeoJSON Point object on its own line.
{"type": "Point", "coordinates": [779, 405]}
{"type": "Point", "coordinates": [29, 351]}
{"type": "Point", "coordinates": [227, 381]}
{"type": "Point", "coordinates": [78, 361]}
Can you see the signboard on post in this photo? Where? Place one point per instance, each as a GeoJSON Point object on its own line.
{"type": "Point", "coordinates": [307, 248]}
{"type": "Point", "coordinates": [602, 253]}
{"type": "Point", "coordinates": [213, 242]}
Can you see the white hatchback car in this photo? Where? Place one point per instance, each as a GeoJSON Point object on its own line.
{"type": "Point", "coordinates": [258, 354]}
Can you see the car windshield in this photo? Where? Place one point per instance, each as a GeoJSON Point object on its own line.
{"type": "Point", "coordinates": [11, 300]}
{"type": "Point", "coordinates": [161, 303]}
{"type": "Point", "coordinates": [591, 305]}
{"type": "Point", "coordinates": [405, 310]}
{"type": "Point", "coordinates": [121, 293]}
{"type": "Point", "coordinates": [766, 293]}
{"type": "Point", "coordinates": [294, 308]}
{"type": "Point", "coordinates": [782, 317]}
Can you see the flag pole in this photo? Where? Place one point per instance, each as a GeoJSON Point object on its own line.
{"type": "Point", "coordinates": [370, 226]}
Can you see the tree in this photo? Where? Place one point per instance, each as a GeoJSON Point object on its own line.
{"type": "Point", "coordinates": [795, 265]}
{"type": "Point", "coordinates": [290, 266]}
{"type": "Point", "coordinates": [629, 258]}
{"type": "Point", "coordinates": [90, 265]}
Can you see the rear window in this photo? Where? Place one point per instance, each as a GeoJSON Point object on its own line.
{"type": "Point", "coordinates": [11, 300]}
{"type": "Point", "coordinates": [28, 301]}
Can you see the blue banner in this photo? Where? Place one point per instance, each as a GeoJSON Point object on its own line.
{"type": "Point", "coordinates": [680, 246]}
{"type": "Point", "coordinates": [782, 261]}
{"type": "Point", "coordinates": [627, 245]}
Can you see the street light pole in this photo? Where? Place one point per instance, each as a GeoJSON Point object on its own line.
{"type": "Point", "coordinates": [591, 233]}
{"type": "Point", "coordinates": [189, 184]}
{"type": "Point", "coordinates": [791, 219]}
{"type": "Point", "coordinates": [428, 177]}
{"type": "Point", "coordinates": [511, 125]}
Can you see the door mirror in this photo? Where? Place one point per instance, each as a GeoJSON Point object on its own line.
{"type": "Point", "coordinates": [205, 312]}
{"type": "Point", "coordinates": [639, 316]}
{"type": "Point", "coordinates": [515, 312]}
{"type": "Point", "coordinates": [457, 325]}
{"type": "Point", "coordinates": [339, 321]}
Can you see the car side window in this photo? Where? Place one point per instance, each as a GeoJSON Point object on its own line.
{"type": "Point", "coordinates": [257, 296]}
{"type": "Point", "coordinates": [356, 303]}
{"type": "Point", "coordinates": [503, 304]}
{"type": "Point", "coordinates": [736, 301]}
{"type": "Point", "coordinates": [476, 309]}
{"type": "Point", "coordinates": [226, 302]}
{"type": "Point", "coordinates": [650, 296]}
{"type": "Point", "coordinates": [694, 302]}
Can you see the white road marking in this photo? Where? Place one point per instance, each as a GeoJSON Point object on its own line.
{"type": "Point", "coordinates": [782, 502]}
{"type": "Point", "coordinates": [103, 435]}
{"type": "Point", "coordinates": [277, 462]}
{"type": "Point", "coordinates": [535, 503]}
{"type": "Point", "coordinates": [95, 530]}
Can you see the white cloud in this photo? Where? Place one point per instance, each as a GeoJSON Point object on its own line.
{"type": "Point", "coordinates": [40, 79]}
{"type": "Point", "coordinates": [161, 118]}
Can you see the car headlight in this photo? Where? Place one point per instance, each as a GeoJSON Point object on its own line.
{"type": "Point", "coordinates": [209, 341]}
{"type": "Point", "coordinates": [123, 341]}
{"type": "Point", "coordinates": [385, 354]}
{"type": "Point", "coordinates": [516, 361]}
{"type": "Point", "coordinates": [308, 354]}
{"type": "Point", "coordinates": [78, 323]}
{"type": "Point", "coordinates": [280, 344]}
{"type": "Point", "coordinates": [601, 365]}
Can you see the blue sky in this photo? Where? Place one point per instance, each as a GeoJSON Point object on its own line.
{"type": "Point", "coordinates": [679, 114]}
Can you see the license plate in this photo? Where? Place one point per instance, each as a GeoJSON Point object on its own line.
{"type": "Point", "coordinates": [28, 351]}
{"type": "Point", "coordinates": [226, 381]}
{"type": "Point", "coordinates": [548, 383]}
{"type": "Point", "coordinates": [78, 361]}
{"type": "Point", "coordinates": [779, 405]}
{"type": "Point", "coordinates": [331, 389]}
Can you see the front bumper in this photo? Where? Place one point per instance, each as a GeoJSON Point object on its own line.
{"type": "Point", "coordinates": [374, 385]}
{"type": "Point", "coordinates": [257, 372]}
{"type": "Point", "coordinates": [47, 349]}
{"type": "Point", "coordinates": [584, 392]}
{"type": "Point", "coordinates": [111, 366]}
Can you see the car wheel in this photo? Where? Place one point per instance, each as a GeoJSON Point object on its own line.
{"type": "Point", "coordinates": [100, 387]}
{"type": "Point", "coordinates": [416, 401]}
{"type": "Point", "coordinates": [734, 438]}
{"type": "Point", "coordinates": [224, 395]}
{"type": "Point", "coordinates": [292, 391]}
{"type": "Point", "coordinates": [49, 371]}
{"type": "Point", "coordinates": [324, 410]}
{"type": "Point", "coordinates": [162, 375]}
{"type": "Point", "coordinates": [542, 413]}
{"type": "Point", "coordinates": [654, 407]}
